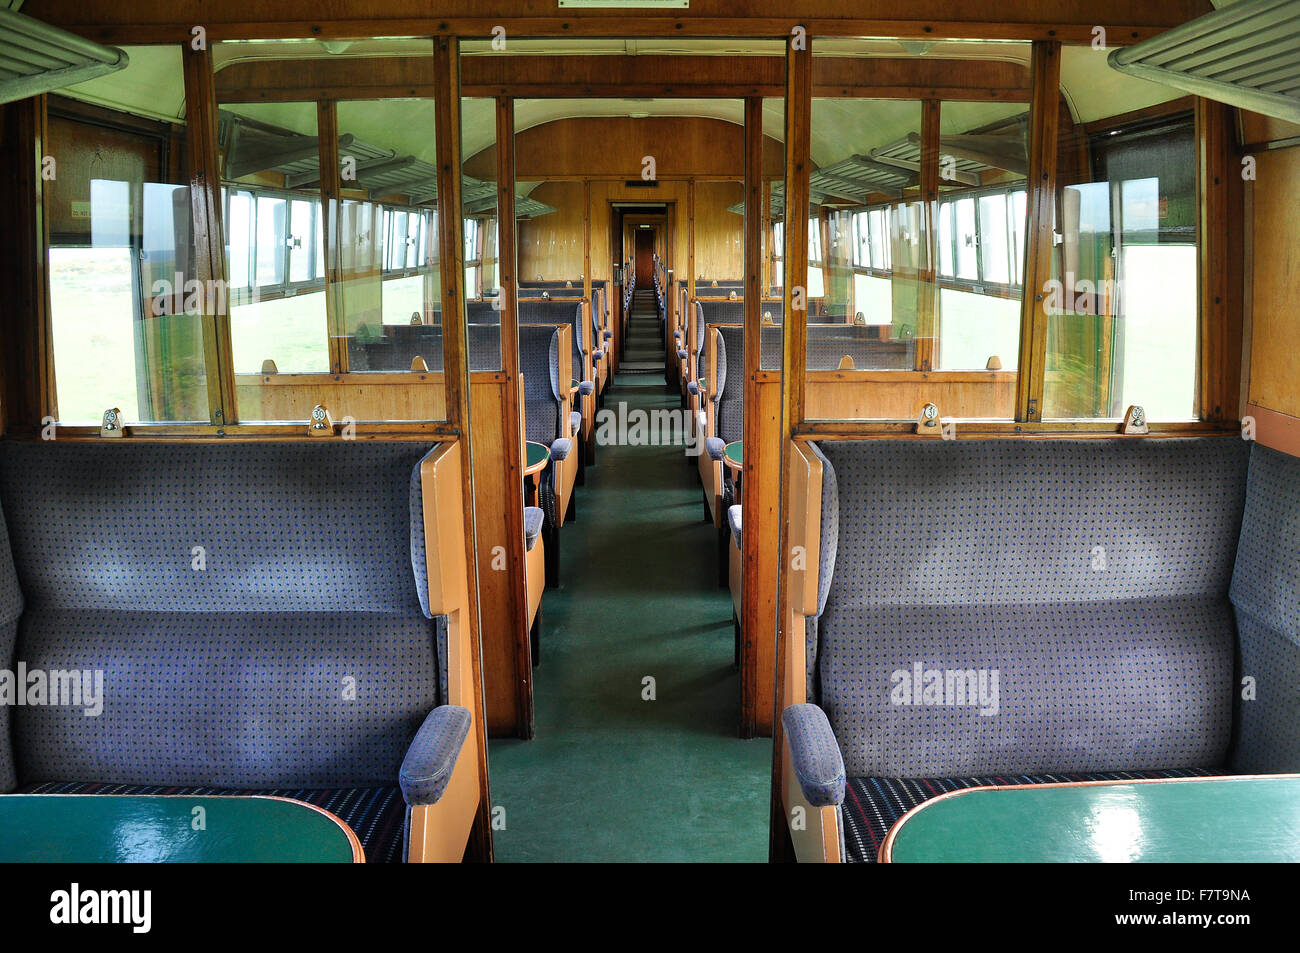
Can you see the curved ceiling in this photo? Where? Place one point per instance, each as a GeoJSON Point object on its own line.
{"type": "Point", "coordinates": [152, 86]}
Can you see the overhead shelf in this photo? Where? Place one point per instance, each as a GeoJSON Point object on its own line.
{"type": "Point", "coordinates": [890, 169]}
{"type": "Point", "coordinates": [1246, 55]}
{"type": "Point", "coordinates": [37, 58]}
{"type": "Point", "coordinates": [252, 147]}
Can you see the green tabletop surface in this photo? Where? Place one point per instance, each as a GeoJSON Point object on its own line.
{"type": "Point", "coordinates": [536, 454]}
{"type": "Point", "coordinates": [732, 452]}
{"type": "Point", "coordinates": [106, 828]}
{"type": "Point", "coordinates": [1216, 819]}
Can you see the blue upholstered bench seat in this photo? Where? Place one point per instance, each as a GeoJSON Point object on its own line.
{"type": "Point", "coordinates": [376, 815]}
{"type": "Point", "coordinates": [873, 805]}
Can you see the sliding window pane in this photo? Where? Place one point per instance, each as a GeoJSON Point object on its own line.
{"type": "Point", "coordinates": [278, 314]}
{"type": "Point", "coordinates": [1122, 302]}
{"type": "Point", "coordinates": [126, 308]}
{"type": "Point", "coordinates": [390, 296]}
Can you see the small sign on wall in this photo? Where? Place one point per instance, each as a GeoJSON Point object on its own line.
{"type": "Point", "coordinates": [81, 210]}
{"type": "Point", "coordinates": [626, 4]}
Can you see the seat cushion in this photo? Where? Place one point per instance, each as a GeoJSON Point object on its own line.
{"type": "Point", "coordinates": [377, 816]}
{"type": "Point", "coordinates": [873, 805]}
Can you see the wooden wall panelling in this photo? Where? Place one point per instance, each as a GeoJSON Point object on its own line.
{"type": "Point", "coordinates": [1273, 388]}
{"type": "Point", "coordinates": [377, 396]}
{"type": "Point", "coordinates": [551, 245]}
{"type": "Point", "coordinates": [1044, 115]}
{"type": "Point", "coordinates": [719, 234]}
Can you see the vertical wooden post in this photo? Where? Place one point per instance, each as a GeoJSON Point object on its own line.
{"type": "Point", "coordinates": [446, 62]}
{"type": "Point", "coordinates": [1220, 263]}
{"type": "Point", "coordinates": [762, 452]}
{"type": "Point", "coordinates": [512, 429]}
{"type": "Point", "coordinates": [26, 369]}
{"type": "Point", "coordinates": [798, 166]}
{"type": "Point", "coordinates": [331, 187]}
{"type": "Point", "coordinates": [927, 324]}
{"type": "Point", "coordinates": [209, 232]}
{"type": "Point", "coordinates": [1044, 123]}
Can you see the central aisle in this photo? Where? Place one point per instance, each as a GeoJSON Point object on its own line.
{"type": "Point", "coordinates": [610, 776]}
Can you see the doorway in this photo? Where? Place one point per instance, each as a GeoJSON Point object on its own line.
{"type": "Point", "coordinates": [645, 257]}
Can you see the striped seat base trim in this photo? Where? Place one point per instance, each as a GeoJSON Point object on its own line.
{"type": "Point", "coordinates": [873, 805]}
{"type": "Point", "coordinates": [376, 815]}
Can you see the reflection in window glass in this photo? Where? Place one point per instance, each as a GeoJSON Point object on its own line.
{"type": "Point", "coordinates": [125, 305]}
{"type": "Point", "coordinates": [1123, 302]}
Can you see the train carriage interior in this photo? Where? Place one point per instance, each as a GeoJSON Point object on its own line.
{"type": "Point", "coordinates": [561, 432]}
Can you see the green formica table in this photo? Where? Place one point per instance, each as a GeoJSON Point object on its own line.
{"type": "Point", "coordinates": [733, 455]}
{"type": "Point", "coordinates": [1248, 818]}
{"type": "Point", "coordinates": [107, 828]}
{"type": "Point", "coordinates": [536, 456]}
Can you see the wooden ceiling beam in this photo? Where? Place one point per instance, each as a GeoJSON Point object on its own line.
{"type": "Point", "coordinates": [622, 77]}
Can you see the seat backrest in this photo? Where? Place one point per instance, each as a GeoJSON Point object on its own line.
{"type": "Point", "coordinates": [539, 362]}
{"type": "Point", "coordinates": [251, 609]}
{"type": "Point", "coordinates": [11, 608]}
{"type": "Point", "coordinates": [829, 344]}
{"type": "Point", "coordinates": [1266, 596]}
{"type": "Point", "coordinates": [395, 347]}
{"type": "Point", "coordinates": [485, 347]}
{"type": "Point", "coordinates": [482, 312]}
{"type": "Point", "coordinates": [1079, 585]}
{"type": "Point", "coordinates": [560, 311]}
{"type": "Point", "coordinates": [730, 408]}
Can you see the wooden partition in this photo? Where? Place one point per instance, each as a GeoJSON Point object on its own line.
{"type": "Point", "coordinates": [498, 482]}
{"type": "Point", "coordinates": [1272, 392]}
{"type": "Point", "coordinates": [439, 832]}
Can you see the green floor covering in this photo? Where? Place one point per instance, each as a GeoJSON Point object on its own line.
{"type": "Point", "coordinates": [611, 777]}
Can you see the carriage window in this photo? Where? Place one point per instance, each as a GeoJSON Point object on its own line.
{"type": "Point", "coordinates": [1123, 298]}
{"type": "Point", "coordinates": [980, 238]}
{"type": "Point", "coordinates": [274, 238]}
{"type": "Point", "coordinates": [125, 306]}
{"type": "Point", "coordinates": [334, 272]}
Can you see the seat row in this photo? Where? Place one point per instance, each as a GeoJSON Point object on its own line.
{"type": "Point", "coordinates": [1029, 611]}
{"type": "Point", "coordinates": [266, 617]}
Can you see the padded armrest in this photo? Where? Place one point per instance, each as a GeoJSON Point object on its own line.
{"type": "Point", "coordinates": [598, 354]}
{"type": "Point", "coordinates": [814, 755]}
{"type": "Point", "coordinates": [608, 335]}
{"type": "Point", "coordinates": [677, 335]}
{"type": "Point", "coordinates": [560, 448]}
{"type": "Point", "coordinates": [681, 353]}
{"type": "Point", "coordinates": [533, 521]}
{"type": "Point", "coordinates": [693, 388]}
{"type": "Point", "coordinates": [715, 446]}
{"type": "Point", "coordinates": [430, 760]}
{"type": "Point", "coordinates": [586, 387]}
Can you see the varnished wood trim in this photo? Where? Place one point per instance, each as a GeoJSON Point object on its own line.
{"type": "Point", "coordinates": [27, 390]}
{"type": "Point", "coordinates": [1220, 263]}
{"type": "Point", "coordinates": [512, 425]}
{"type": "Point", "coordinates": [331, 188]}
{"type": "Point", "coordinates": [1044, 120]}
{"type": "Point", "coordinates": [798, 161]}
{"type": "Point", "coordinates": [209, 231]}
{"type": "Point", "coordinates": [451, 249]}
